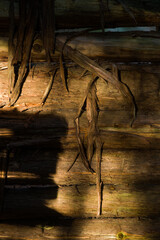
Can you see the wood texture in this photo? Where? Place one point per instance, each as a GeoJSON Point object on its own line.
{"type": "Point", "coordinates": [128, 47]}
{"type": "Point", "coordinates": [43, 146]}
{"type": "Point", "coordinates": [114, 111]}
{"type": "Point", "coordinates": [118, 167]}
{"type": "Point", "coordinates": [80, 201]}
{"type": "Point", "coordinates": [41, 198]}
{"type": "Point", "coordinates": [83, 229]}
{"type": "Point", "coordinates": [76, 14]}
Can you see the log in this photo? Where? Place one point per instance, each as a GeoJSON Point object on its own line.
{"type": "Point", "coordinates": [80, 201]}
{"type": "Point", "coordinates": [38, 184]}
{"type": "Point", "coordinates": [114, 111]}
{"type": "Point", "coordinates": [66, 138]}
{"type": "Point", "coordinates": [79, 14]}
{"type": "Point", "coordinates": [114, 47]}
{"type": "Point", "coordinates": [50, 167]}
{"type": "Point", "coordinates": [118, 47]}
{"type": "Point", "coordinates": [82, 229]}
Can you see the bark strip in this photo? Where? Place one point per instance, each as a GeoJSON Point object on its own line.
{"type": "Point", "coordinates": [81, 147]}
{"type": "Point", "coordinates": [48, 89]}
{"type": "Point", "coordinates": [48, 26]}
{"type": "Point", "coordinates": [21, 32]}
{"type": "Point", "coordinates": [94, 140]}
{"type": "Point", "coordinates": [28, 41]}
{"type": "Point", "coordinates": [97, 70]}
{"type": "Point", "coordinates": [11, 49]}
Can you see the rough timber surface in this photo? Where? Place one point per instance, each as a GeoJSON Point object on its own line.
{"type": "Point", "coordinates": [116, 47]}
{"type": "Point", "coordinates": [114, 109]}
{"type": "Point", "coordinates": [44, 167]}
{"type": "Point", "coordinates": [76, 201]}
{"type": "Point", "coordinates": [79, 14]}
{"type": "Point", "coordinates": [39, 145]}
{"type": "Point", "coordinates": [109, 229]}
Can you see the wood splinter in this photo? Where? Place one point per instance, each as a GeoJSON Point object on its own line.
{"type": "Point", "coordinates": [11, 49]}
{"type": "Point", "coordinates": [94, 140]}
{"type": "Point", "coordinates": [48, 89]}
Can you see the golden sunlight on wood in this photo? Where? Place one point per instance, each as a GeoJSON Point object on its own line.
{"type": "Point", "coordinates": [79, 119]}
{"type": "Point", "coordinates": [5, 132]}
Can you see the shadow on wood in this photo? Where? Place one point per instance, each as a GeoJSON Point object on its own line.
{"type": "Point", "coordinates": [39, 139]}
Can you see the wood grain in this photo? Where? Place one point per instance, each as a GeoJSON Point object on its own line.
{"type": "Point", "coordinates": [83, 229]}
{"type": "Point", "coordinates": [50, 167]}
{"type": "Point", "coordinates": [69, 14]}
{"type": "Point", "coordinates": [116, 47]}
{"type": "Point", "coordinates": [81, 201]}
{"type": "Point", "coordinates": [43, 145]}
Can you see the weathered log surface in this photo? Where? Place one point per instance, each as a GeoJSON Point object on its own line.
{"type": "Point", "coordinates": [42, 167]}
{"type": "Point", "coordinates": [43, 145]}
{"type": "Point", "coordinates": [29, 124]}
{"type": "Point", "coordinates": [116, 47]}
{"type": "Point", "coordinates": [80, 201]}
{"type": "Point", "coordinates": [76, 14]}
{"type": "Point", "coordinates": [39, 185]}
{"type": "Point", "coordinates": [143, 85]}
{"type": "Point", "coordinates": [83, 229]}
{"type": "Point", "coordinates": [38, 144]}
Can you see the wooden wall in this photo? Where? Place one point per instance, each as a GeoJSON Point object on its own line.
{"type": "Point", "coordinates": [79, 14]}
{"type": "Point", "coordinates": [38, 145]}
